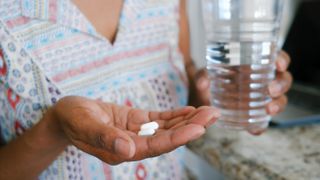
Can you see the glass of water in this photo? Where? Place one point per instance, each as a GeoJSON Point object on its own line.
{"type": "Point", "coordinates": [242, 40]}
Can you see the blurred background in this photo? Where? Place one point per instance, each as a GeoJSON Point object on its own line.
{"type": "Point", "coordinates": [300, 37]}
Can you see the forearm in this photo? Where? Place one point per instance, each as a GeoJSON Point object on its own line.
{"type": "Point", "coordinates": [28, 155]}
{"type": "Point", "coordinates": [191, 70]}
{"type": "Point", "coordinates": [184, 45]}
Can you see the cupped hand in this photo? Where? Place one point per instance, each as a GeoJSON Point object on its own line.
{"type": "Point", "coordinates": [109, 131]}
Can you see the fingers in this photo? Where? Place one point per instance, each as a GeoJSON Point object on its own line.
{"type": "Point", "coordinates": [170, 114]}
{"type": "Point", "coordinates": [277, 105]}
{"type": "Point", "coordinates": [201, 116]}
{"type": "Point", "coordinates": [168, 119]}
{"type": "Point", "coordinates": [138, 117]}
{"type": "Point", "coordinates": [280, 85]}
{"type": "Point", "coordinates": [176, 132]}
{"type": "Point", "coordinates": [185, 134]}
{"type": "Point", "coordinates": [204, 115]}
{"type": "Point", "coordinates": [282, 61]}
{"type": "Point", "coordinates": [166, 141]}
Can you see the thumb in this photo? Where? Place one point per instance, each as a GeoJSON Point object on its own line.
{"type": "Point", "coordinates": [111, 139]}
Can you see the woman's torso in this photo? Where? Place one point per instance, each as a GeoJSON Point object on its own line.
{"type": "Point", "coordinates": [50, 50]}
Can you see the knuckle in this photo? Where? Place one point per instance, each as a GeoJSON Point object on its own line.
{"type": "Point", "coordinates": [100, 141]}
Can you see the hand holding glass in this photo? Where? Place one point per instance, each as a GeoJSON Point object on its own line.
{"type": "Point", "coordinates": [242, 40]}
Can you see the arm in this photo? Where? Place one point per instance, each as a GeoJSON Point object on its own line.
{"type": "Point", "coordinates": [32, 152]}
{"type": "Point", "coordinates": [104, 130]}
{"type": "Point", "coordinates": [184, 45]}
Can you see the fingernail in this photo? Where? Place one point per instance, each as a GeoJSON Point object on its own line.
{"type": "Point", "coordinates": [274, 109]}
{"type": "Point", "coordinates": [275, 89]}
{"type": "Point", "coordinates": [122, 147]}
{"type": "Point", "coordinates": [203, 83]}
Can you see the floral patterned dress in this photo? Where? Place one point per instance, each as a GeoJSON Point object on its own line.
{"type": "Point", "coordinates": [48, 50]}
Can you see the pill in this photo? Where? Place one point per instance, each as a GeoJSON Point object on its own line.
{"type": "Point", "coordinates": [150, 125]}
{"type": "Point", "coordinates": [146, 132]}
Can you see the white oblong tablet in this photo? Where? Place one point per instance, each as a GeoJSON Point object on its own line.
{"type": "Point", "coordinates": [150, 125]}
{"type": "Point", "coordinates": [146, 132]}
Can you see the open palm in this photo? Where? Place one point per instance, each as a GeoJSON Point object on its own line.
{"type": "Point", "coordinates": [109, 131]}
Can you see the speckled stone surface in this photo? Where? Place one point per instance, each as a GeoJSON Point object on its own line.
{"type": "Point", "coordinates": [277, 154]}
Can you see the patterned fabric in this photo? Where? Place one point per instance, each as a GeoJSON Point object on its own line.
{"type": "Point", "coordinates": [49, 50]}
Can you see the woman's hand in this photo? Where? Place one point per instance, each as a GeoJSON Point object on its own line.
{"type": "Point", "coordinates": [109, 131]}
{"type": "Point", "coordinates": [277, 88]}
{"type": "Point", "coordinates": [280, 85]}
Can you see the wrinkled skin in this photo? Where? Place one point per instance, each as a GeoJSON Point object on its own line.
{"type": "Point", "coordinates": [109, 131]}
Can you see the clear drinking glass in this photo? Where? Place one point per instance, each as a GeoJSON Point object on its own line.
{"type": "Point", "coordinates": [242, 40]}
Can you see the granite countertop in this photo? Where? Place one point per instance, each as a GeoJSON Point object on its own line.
{"type": "Point", "coordinates": [277, 154]}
